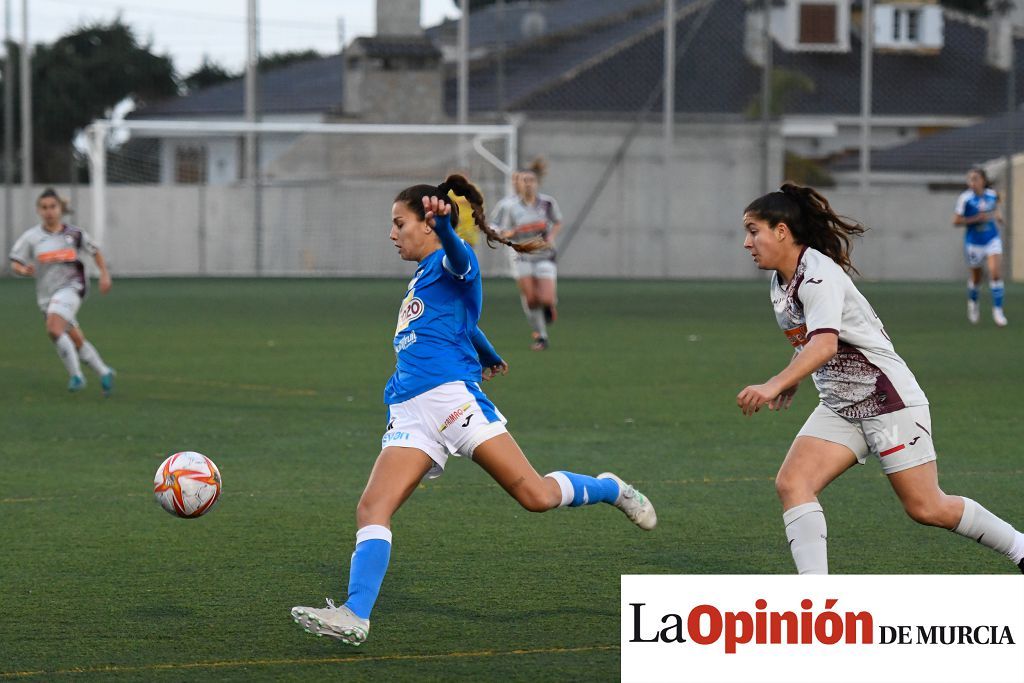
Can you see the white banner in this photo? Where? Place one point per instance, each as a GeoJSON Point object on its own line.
{"type": "Point", "coordinates": [823, 629]}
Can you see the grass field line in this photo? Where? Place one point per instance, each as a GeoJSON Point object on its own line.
{"type": "Point", "coordinates": [435, 486]}
{"type": "Point", "coordinates": [302, 661]}
{"type": "Point", "coordinates": [227, 385]}
{"type": "Point", "coordinates": [209, 383]}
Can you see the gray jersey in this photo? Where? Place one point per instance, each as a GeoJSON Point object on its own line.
{"type": "Point", "coordinates": [866, 377]}
{"type": "Point", "coordinates": [530, 221]}
{"type": "Point", "coordinates": [56, 257]}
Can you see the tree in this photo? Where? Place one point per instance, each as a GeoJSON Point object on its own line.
{"type": "Point", "coordinates": [78, 79]}
{"type": "Point", "coordinates": [208, 73]}
{"type": "Point", "coordinates": [275, 60]}
{"type": "Point", "coordinates": [784, 84]}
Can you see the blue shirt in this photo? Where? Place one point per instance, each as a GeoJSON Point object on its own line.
{"type": "Point", "coordinates": [438, 315]}
{"type": "Point", "coordinates": [969, 204]}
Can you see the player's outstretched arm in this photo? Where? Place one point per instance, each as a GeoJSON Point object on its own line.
{"type": "Point", "coordinates": [489, 358]}
{"type": "Point", "coordinates": [779, 390]}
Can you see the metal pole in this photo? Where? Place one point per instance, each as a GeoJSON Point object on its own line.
{"type": "Point", "coordinates": [1011, 146]}
{"type": "Point", "coordinates": [463, 74]}
{"type": "Point", "coordinates": [766, 96]}
{"type": "Point", "coordinates": [8, 133]}
{"type": "Point", "coordinates": [500, 21]}
{"type": "Point", "coordinates": [867, 39]}
{"type": "Point", "coordinates": [669, 99]}
{"type": "Point", "coordinates": [26, 104]}
{"type": "Point", "coordinates": [97, 139]}
{"type": "Point", "coordinates": [463, 83]}
{"type": "Point", "coordinates": [668, 112]}
{"type": "Point", "coordinates": [252, 138]}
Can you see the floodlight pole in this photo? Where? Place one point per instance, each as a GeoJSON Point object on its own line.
{"type": "Point", "coordinates": [463, 78]}
{"type": "Point", "coordinates": [766, 96]}
{"type": "Point", "coordinates": [26, 104]}
{"type": "Point", "coordinates": [252, 162]}
{"type": "Point", "coordinates": [867, 40]}
{"type": "Point", "coordinates": [8, 134]}
{"type": "Point", "coordinates": [1011, 144]}
{"type": "Point", "coordinates": [668, 119]}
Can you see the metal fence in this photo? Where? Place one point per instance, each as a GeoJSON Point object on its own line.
{"type": "Point", "coordinates": [659, 120]}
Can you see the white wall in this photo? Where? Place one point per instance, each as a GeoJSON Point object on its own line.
{"type": "Point", "coordinates": [338, 226]}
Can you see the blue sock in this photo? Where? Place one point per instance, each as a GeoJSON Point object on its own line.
{"type": "Point", "coordinates": [369, 564]}
{"type": "Point", "coordinates": [996, 286]}
{"type": "Point", "coordinates": [972, 291]}
{"type": "Point", "coordinates": [579, 489]}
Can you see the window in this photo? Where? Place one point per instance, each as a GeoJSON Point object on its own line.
{"type": "Point", "coordinates": [817, 24]}
{"type": "Point", "coordinates": [190, 164]}
{"type": "Point", "coordinates": [906, 25]}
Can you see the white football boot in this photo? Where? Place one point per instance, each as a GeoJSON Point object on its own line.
{"type": "Point", "coordinates": [973, 313]}
{"type": "Point", "coordinates": [635, 504]}
{"type": "Point", "coordinates": [332, 621]}
{"type": "Point", "coordinates": [999, 318]}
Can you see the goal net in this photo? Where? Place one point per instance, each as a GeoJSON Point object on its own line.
{"type": "Point", "coordinates": [182, 198]}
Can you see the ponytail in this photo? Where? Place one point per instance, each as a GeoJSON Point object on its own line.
{"type": "Point", "coordinates": [811, 220]}
{"type": "Point", "coordinates": [460, 186]}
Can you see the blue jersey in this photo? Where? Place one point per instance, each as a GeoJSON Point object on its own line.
{"type": "Point", "coordinates": [969, 204]}
{"type": "Point", "coordinates": [433, 342]}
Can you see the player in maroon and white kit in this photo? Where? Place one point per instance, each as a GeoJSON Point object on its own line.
{"type": "Point", "coordinates": [51, 252]}
{"type": "Point", "coordinates": [870, 401]}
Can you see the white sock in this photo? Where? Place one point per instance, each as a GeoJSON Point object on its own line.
{"type": "Point", "coordinates": [540, 326]}
{"type": "Point", "coordinates": [531, 317]}
{"type": "Point", "coordinates": [807, 534]}
{"type": "Point", "coordinates": [91, 356]}
{"type": "Point", "coordinates": [978, 524]}
{"type": "Point", "coordinates": [68, 354]}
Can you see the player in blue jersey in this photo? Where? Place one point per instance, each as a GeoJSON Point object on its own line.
{"type": "Point", "coordinates": [977, 210]}
{"type": "Point", "coordinates": [436, 406]}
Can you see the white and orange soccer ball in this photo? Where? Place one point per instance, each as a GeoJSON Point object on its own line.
{"type": "Point", "coordinates": [187, 484]}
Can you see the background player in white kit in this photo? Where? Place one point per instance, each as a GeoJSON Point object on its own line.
{"type": "Point", "coordinates": [51, 251]}
{"type": "Point", "coordinates": [977, 211]}
{"type": "Point", "coordinates": [870, 401]}
{"type": "Point", "coordinates": [529, 216]}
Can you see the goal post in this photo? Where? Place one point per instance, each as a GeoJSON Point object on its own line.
{"type": "Point", "coordinates": [170, 197]}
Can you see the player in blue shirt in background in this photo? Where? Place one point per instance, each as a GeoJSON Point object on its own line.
{"type": "Point", "coordinates": [977, 210]}
{"type": "Point", "coordinates": [436, 406]}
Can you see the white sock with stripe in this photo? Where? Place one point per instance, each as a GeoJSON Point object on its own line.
{"type": "Point", "coordinates": [91, 356]}
{"type": "Point", "coordinates": [978, 524]}
{"type": "Point", "coordinates": [808, 535]}
{"type": "Point", "coordinates": [68, 355]}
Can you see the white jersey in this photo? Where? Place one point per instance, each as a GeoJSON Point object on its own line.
{"type": "Point", "coordinates": [56, 257]}
{"type": "Point", "coordinates": [866, 377]}
{"type": "Point", "coordinates": [529, 222]}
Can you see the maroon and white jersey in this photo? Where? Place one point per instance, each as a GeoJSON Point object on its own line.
{"type": "Point", "coordinates": [530, 221]}
{"type": "Point", "coordinates": [56, 257]}
{"type": "Point", "coordinates": [866, 377]}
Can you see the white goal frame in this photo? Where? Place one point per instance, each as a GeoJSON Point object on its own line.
{"type": "Point", "coordinates": [100, 132]}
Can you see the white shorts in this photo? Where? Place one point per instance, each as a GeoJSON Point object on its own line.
{"type": "Point", "coordinates": [65, 303]}
{"type": "Point", "coordinates": [899, 440]}
{"type": "Point", "coordinates": [453, 418]}
{"type": "Point", "coordinates": [977, 253]}
{"type": "Point", "coordinates": [544, 270]}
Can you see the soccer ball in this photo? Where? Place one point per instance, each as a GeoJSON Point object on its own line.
{"type": "Point", "coordinates": [187, 484]}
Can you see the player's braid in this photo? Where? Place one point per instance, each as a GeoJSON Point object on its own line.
{"type": "Point", "coordinates": [818, 226]}
{"type": "Point", "coordinates": [460, 186]}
